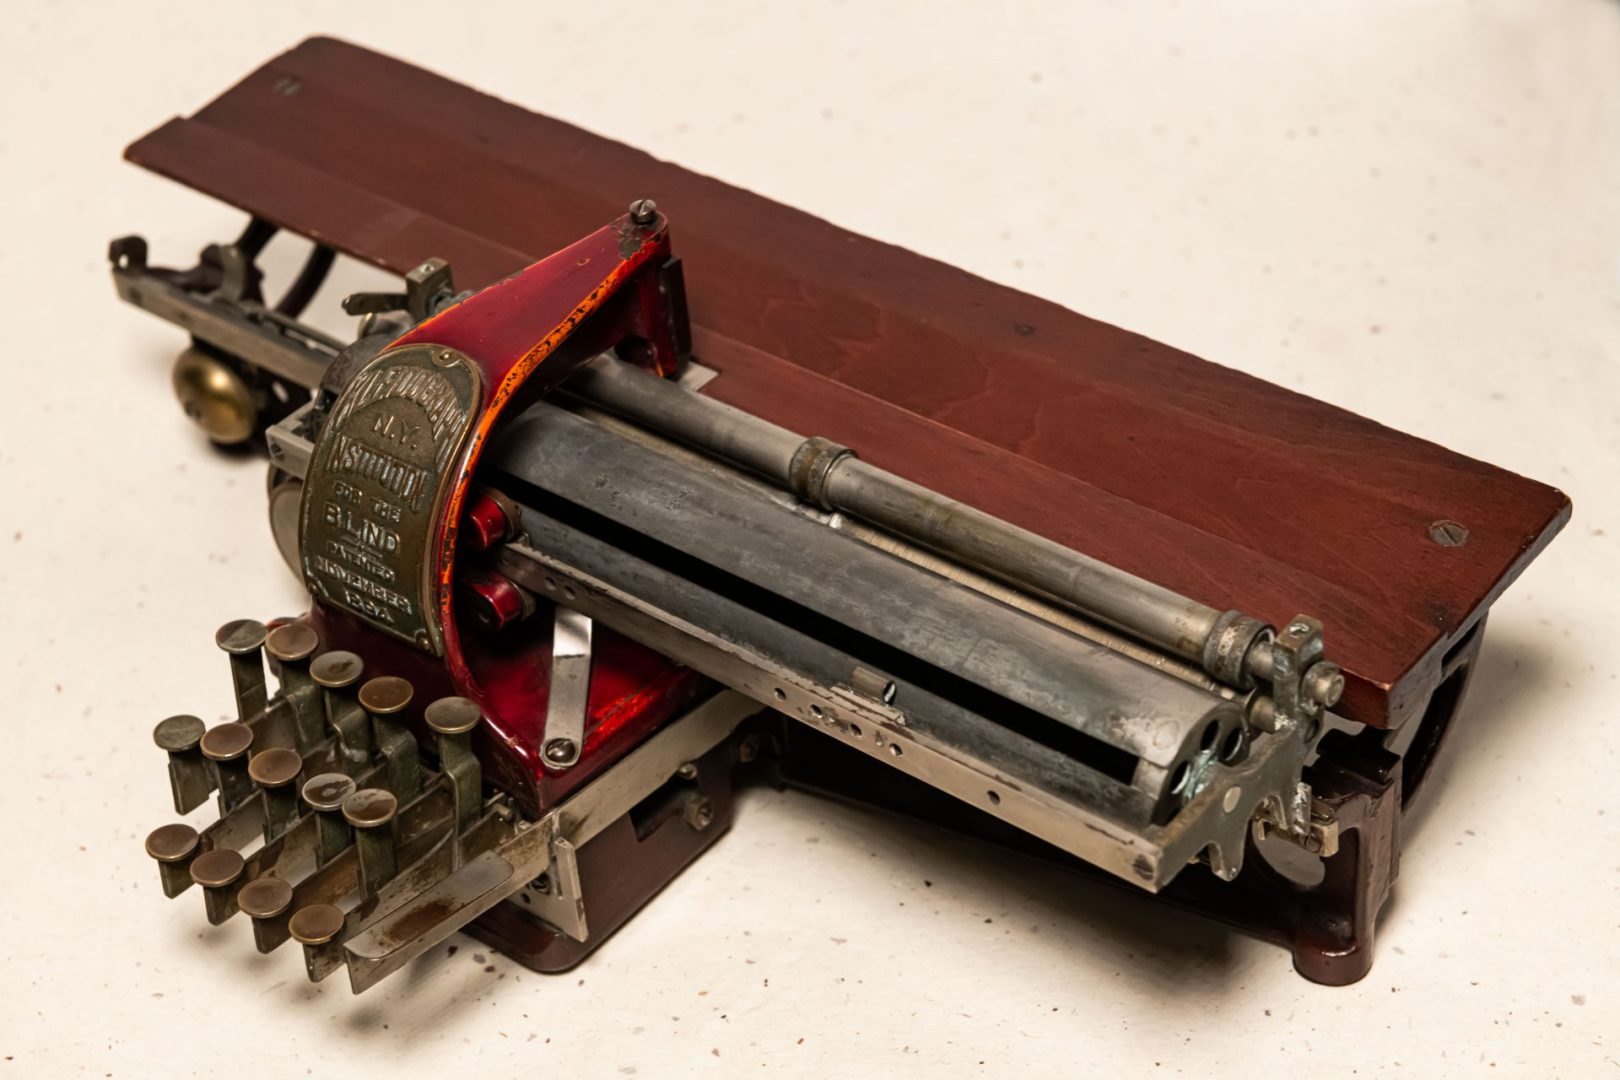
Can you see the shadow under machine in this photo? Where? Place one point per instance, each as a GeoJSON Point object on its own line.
{"type": "Point", "coordinates": [593, 534]}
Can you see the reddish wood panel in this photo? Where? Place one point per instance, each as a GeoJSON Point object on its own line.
{"type": "Point", "coordinates": [1222, 486]}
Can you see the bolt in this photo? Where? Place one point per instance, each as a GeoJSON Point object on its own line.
{"type": "Point", "coordinates": [1448, 533]}
{"type": "Point", "coordinates": [1324, 682]}
{"type": "Point", "coordinates": [561, 751]}
{"type": "Point", "coordinates": [688, 771]}
{"type": "Point", "coordinates": [748, 749]}
{"type": "Point", "coordinates": [699, 813]}
{"type": "Point", "coordinates": [643, 211]}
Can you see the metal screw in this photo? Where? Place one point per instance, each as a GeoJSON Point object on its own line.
{"type": "Point", "coordinates": [643, 211]}
{"type": "Point", "coordinates": [688, 771]}
{"type": "Point", "coordinates": [1448, 533]}
{"type": "Point", "coordinates": [561, 751]}
{"type": "Point", "coordinates": [748, 749]}
{"type": "Point", "coordinates": [699, 813]}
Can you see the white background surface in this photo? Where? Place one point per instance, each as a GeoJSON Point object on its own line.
{"type": "Point", "coordinates": [1406, 208]}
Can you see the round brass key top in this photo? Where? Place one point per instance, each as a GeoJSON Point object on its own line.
{"type": "Point", "coordinates": [327, 791]}
{"type": "Point", "coordinates": [264, 898]}
{"type": "Point", "coordinates": [171, 843]}
{"type": "Point", "coordinates": [178, 734]}
{"type": "Point", "coordinates": [275, 768]}
{"type": "Point", "coordinates": [316, 924]}
{"type": "Point", "coordinates": [453, 715]}
{"type": "Point", "coordinates": [293, 641]}
{"type": "Point", "coordinates": [370, 808]}
{"type": "Point", "coordinates": [226, 742]}
{"type": "Point", "coordinates": [385, 695]}
{"type": "Point", "coordinates": [336, 669]}
{"type": "Point", "coordinates": [218, 868]}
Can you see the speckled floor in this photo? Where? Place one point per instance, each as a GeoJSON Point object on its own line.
{"type": "Point", "coordinates": [1408, 209]}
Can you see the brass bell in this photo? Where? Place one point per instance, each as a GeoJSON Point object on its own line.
{"type": "Point", "coordinates": [215, 396]}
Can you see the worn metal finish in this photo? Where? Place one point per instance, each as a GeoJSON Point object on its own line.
{"type": "Point", "coordinates": [290, 646]}
{"type": "Point", "coordinates": [215, 396]}
{"type": "Point", "coordinates": [371, 812]}
{"type": "Point", "coordinates": [831, 476]}
{"type": "Point", "coordinates": [375, 491]}
{"type": "Point", "coordinates": [336, 673]}
{"type": "Point", "coordinates": [325, 795]}
{"type": "Point", "coordinates": [173, 847]}
{"type": "Point", "coordinates": [276, 771]}
{"type": "Point", "coordinates": [190, 777]}
{"type": "Point", "coordinates": [226, 748]}
{"type": "Point", "coordinates": [569, 687]}
{"type": "Point", "coordinates": [524, 851]}
{"type": "Point", "coordinates": [1040, 790]}
{"type": "Point", "coordinates": [452, 721]}
{"type": "Point", "coordinates": [1035, 666]}
{"type": "Point", "coordinates": [243, 639]}
{"type": "Point", "coordinates": [383, 699]}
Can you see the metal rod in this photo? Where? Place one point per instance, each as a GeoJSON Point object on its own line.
{"type": "Point", "coordinates": [843, 482]}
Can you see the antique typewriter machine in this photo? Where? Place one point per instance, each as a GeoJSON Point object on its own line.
{"type": "Point", "coordinates": [584, 553]}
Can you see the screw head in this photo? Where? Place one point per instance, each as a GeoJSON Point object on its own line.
{"type": "Point", "coordinates": [1448, 533]}
{"type": "Point", "coordinates": [699, 813]}
{"type": "Point", "coordinates": [748, 749]}
{"type": "Point", "coordinates": [561, 751]}
{"type": "Point", "coordinates": [643, 211]}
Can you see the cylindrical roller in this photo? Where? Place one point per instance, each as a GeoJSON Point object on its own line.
{"type": "Point", "coordinates": [226, 746]}
{"type": "Point", "coordinates": [325, 795]}
{"type": "Point", "coordinates": [242, 640]}
{"type": "Point", "coordinates": [962, 641]}
{"type": "Point", "coordinates": [841, 481]}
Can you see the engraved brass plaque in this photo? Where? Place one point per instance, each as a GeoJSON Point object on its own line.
{"type": "Point", "coordinates": [380, 473]}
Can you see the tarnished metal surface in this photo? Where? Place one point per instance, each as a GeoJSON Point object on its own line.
{"type": "Point", "coordinates": [377, 480]}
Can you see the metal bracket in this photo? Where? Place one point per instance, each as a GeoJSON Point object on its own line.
{"type": "Point", "coordinates": [568, 698]}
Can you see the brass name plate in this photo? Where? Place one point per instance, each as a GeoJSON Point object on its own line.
{"type": "Point", "coordinates": [378, 478]}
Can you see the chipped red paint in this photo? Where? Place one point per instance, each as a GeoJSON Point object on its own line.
{"type": "Point", "coordinates": [526, 334]}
